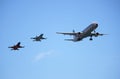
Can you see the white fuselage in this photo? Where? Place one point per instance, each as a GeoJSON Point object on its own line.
{"type": "Point", "coordinates": [86, 32]}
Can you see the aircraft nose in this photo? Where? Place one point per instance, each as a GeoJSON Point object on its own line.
{"type": "Point", "coordinates": [96, 25]}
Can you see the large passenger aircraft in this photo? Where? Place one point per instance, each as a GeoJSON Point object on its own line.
{"type": "Point", "coordinates": [38, 38]}
{"type": "Point", "coordinates": [15, 47]}
{"type": "Point", "coordinates": [87, 32]}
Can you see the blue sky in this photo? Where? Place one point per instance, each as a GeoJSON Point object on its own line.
{"type": "Point", "coordinates": [55, 58]}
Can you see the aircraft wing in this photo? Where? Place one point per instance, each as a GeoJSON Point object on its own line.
{"type": "Point", "coordinates": [33, 38]}
{"type": "Point", "coordinates": [69, 40]}
{"type": "Point", "coordinates": [97, 34]}
{"type": "Point", "coordinates": [66, 33]}
{"type": "Point", "coordinates": [10, 46]}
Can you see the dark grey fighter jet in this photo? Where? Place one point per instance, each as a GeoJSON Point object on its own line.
{"type": "Point", "coordinates": [38, 38]}
{"type": "Point", "coordinates": [16, 47]}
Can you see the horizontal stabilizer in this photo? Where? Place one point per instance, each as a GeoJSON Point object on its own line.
{"type": "Point", "coordinates": [69, 40]}
{"type": "Point", "coordinates": [66, 33]}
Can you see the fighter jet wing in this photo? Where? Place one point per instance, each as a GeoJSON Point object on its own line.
{"type": "Point", "coordinates": [66, 33]}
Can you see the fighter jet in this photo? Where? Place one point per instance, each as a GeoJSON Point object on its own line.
{"type": "Point", "coordinates": [38, 38]}
{"type": "Point", "coordinates": [16, 47]}
{"type": "Point", "coordinates": [87, 32]}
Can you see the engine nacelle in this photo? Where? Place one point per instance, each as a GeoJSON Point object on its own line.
{"type": "Point", "coordinates": [96, 34]}
{"type": "Point", "coordinates": [79, 33]}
